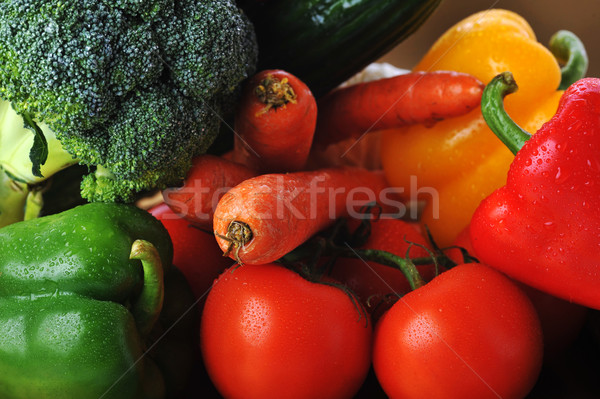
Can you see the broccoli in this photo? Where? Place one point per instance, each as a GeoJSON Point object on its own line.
{"type": "Point", "coordinates": [134, 89]}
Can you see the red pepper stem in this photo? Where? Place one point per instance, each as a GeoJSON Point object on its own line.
{"type": "Point", "coordinates": [492, 108]}
{"type": "Point", "coordinates": [570, 51]}
{"type": "Point", "coordinates": [147, 307]}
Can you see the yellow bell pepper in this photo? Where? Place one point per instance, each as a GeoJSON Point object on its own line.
{"type": "Point", "coordinates": [456, 163]}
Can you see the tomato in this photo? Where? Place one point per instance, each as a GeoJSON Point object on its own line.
{"type": "Point", "coordinates": [195, 251]}
{"type": "Point", "coordinates": [469, 333]}
{"type": "Point", "coordinates": [561, 320]}
{"type": "Point", "coordinates": [266, 332]}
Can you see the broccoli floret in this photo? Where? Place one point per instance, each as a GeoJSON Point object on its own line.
{"type": "Point", "coordinates": [176, 121]}
{"type": "Point", "coordinates": [189, 67]}
{"type": "Point", "coordinates": [132, 88]}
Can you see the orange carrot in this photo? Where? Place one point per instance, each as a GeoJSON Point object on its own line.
{"type": "Point", "coordinates": [206, 182]}
{"type": "Point", "coordinates": [274, 122]}
{"type": "Point", "coordinates": [265, 217]}
{"type": "Point", "coordinates": [417, 97]}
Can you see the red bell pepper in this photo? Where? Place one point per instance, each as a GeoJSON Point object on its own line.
{"type": "Point", "coordinates": [543, 227]}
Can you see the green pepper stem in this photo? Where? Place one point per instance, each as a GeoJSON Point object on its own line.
{"type": "Point", "coordinates": [492, 108]}
{"type": "Point", "coordinates": [570, 51]}
{"type": "Point", "coordinates": [148, 305]}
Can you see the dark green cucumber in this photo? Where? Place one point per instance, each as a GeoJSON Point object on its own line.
{"type": "Point", "coordinates": [324, 42]}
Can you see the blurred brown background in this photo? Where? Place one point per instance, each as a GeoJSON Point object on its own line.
{"type": "Point", "coordinates": [545, 16]}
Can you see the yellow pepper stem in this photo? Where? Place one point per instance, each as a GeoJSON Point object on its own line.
{"type": "Point", "coordinates": [570, 51]}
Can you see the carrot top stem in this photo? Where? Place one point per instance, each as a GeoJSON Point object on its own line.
{"type": "Point", "coordinates": [238, 235]}
{"type": "Point", "coordinates": [274, 93]}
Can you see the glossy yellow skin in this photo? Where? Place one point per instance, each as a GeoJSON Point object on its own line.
{"type": "Point", "coordinates": [460, 160]}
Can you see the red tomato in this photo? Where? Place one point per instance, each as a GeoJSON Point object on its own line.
{"type": "Point", "coordinates": [561, 320]}
{"type": "Point", "coordinates": [469, 333]}
{"type": "Point", "coordinates": [195, 251]}
{"type": "Point", "coordinates": [266, 332]}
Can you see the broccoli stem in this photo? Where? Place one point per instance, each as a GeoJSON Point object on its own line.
{"type": "Point", "coordinates": [20, 188]}
{"type": "Point", "coordinates": [35, 203]}
{"type": "Point", "coordinates": [102, 173]}
{"type": "Point", "coordinates": [13, 199]}
{"type": "Point", "coordinates": [18, 200]}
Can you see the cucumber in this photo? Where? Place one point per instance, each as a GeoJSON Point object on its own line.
{"type": "Point", "coordinates": [324, 42]}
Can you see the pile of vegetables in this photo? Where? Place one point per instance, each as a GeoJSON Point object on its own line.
{"type": "Point", "coordinates": [461, 265]}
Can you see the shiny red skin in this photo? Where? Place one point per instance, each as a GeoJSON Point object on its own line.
{"type": "Point", "coordinates": [266, 332]}
{"type": "Point", "coordinates": [543, 227]}
{"type": "Point", "coordinates": [561, 320]}
{"type": "Point", "coordinates": [469, 333]}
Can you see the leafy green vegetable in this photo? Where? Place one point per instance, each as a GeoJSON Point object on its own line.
{"type": "Point", "coordinates": [134, 89]}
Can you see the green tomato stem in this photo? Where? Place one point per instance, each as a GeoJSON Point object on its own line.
{"type": "Point", "coordinates": [148, 305]}
{"type": "Point", "coordinates": [570, 51]}
{"type": "Point", "coordinates": [406, 266]}
{"type": "Point", "coordinates": [492, 108]}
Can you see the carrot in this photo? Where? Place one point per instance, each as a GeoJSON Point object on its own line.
{"type": "Point", "coordinates": [208, 179]}
{"type": "Point", "coordinates": [274, 122]}
{"type": "Point", "coordinates": [417, 97]}
{"type": "Point", "coordinates": [265, 217]}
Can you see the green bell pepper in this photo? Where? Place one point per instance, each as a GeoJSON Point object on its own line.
{"type": "Point", "coordinates": [91, 307]}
